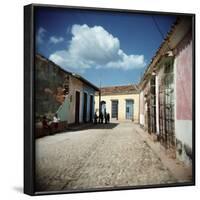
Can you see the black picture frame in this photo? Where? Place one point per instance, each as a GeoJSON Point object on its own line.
{"type": "Point", "coordinates": [29, 103]}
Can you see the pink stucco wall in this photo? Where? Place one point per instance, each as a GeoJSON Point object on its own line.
{"type": "Point", "coordinates": [184, 80]}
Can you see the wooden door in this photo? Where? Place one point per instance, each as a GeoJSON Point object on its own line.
{"type": "Point", "coordinates": [129, 109]}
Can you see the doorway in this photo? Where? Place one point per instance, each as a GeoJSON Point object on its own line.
{"type": "Point", "coordinates": [77, 107]}
{"type": "Point", "coordinates": [91, 107]}
{"type": "Point", "coordinates": [129, 109]}
{"type": "Point", "coordinates": [85, 107]}
{"type": "Point", "coordinates": [152, 104]}
{"type": "Point", "coordinates": [166, 108]}
{"type": "Point", "coordinates": [115, 109]}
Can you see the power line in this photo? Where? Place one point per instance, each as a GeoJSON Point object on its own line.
{"type": "Point", "coordinates": [159, 30]}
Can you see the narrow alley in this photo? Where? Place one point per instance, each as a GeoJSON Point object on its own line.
{"type": "Point", "coordinates": [103, 155]}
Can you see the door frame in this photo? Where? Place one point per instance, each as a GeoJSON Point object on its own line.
{"type": "Point", "coordinates": [117, 115]}
{"type": "Point", "coordinates": [85, 102]}
{"type": "Point", "coordinates": [91, 107]}
{"type": "Point", "coordinates": [132, 104]}
{"type": "Point", "coordinates": [77, 107]}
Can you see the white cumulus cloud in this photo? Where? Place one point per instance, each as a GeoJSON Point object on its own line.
{"type": "Point", "coordinates": [55, 40]}
{"type": "Point", "coordinates": [95, 47]}
{"type": "Point", "coordinates": [40, 35]}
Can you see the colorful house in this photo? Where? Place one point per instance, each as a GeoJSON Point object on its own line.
{"type": "Point", "coordinates": [121, 102]}
{"type": "Point", "coordinates": [166, 91]}
{"type": "Point", "coordinates": [59, 91]}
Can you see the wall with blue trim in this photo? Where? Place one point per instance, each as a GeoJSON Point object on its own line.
{"type": "Point", "coordinates": [63, 110]}
{"type": "Point", "coordinates": [89, 91]}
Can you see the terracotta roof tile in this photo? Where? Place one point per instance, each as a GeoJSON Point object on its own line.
{"type": "Point", "coordinates": [124, 89]}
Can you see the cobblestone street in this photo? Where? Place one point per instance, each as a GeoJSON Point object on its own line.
{"type": "Point", "coordinates": [105, 155]}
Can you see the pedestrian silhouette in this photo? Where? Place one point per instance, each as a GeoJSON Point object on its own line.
{"type": "Point", "coordinates": [105, 116]}
{"type": "Point", "coordinates": [108, 117]}
{"type": "Point", "coordinates": [101, 118]}
{"type": "Point", "coordinates": [95, 117]}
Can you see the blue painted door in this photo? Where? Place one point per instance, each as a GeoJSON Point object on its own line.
{"type": "Point", "coordinates": [129, 109]}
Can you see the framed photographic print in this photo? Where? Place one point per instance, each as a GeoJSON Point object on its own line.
{"type": "Point", "coordinates": [109, 99]}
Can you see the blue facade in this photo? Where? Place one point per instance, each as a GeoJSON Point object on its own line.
{"type": "Point", "coordinates": [63, 110]}
{"type": "Point", "coordinates": [90, 105]}
{"type": "Point", "coordinates": [129, 109]}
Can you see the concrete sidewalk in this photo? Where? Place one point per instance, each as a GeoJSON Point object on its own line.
{"type": "Point", "coordinates": [179, 170]}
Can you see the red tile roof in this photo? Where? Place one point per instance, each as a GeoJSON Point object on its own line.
{"type": "Point", "coordinates": [124, 89]}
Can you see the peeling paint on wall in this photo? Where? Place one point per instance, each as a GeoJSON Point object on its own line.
{"type": "Point", "coordinates": [184, 81]}
{"type": "Point", "coordinates": [49, 89]}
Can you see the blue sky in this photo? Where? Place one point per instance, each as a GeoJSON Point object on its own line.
{"type": "Point", "coordinates": [113, 47]}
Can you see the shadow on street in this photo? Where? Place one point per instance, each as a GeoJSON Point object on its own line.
{"type": "Point", "coordinates": [87, 126]}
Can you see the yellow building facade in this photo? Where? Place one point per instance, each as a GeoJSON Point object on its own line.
{"type": "Point", "coordinates": [121, 102]}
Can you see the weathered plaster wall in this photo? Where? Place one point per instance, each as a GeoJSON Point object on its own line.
{"type": "Point", "coordinates": [184, 140]}
{"type": "Point", "coordinates": [184, 82]}
{"type": "Point", "coordinates": [121, 105]}
{"type": "Point", "coordinates": [49, 80]}
{"type": "Point", "coordinates": [67, 110]}
{"type": "Point", "coordinates": [75, 85]}
{"type": "Point", "coordinates": [49, 91]}
{"type": "Point", "coordinates": [89, 91]}
{"type": "Point", "coordinates": [183, 102]}
{"type": "Point", "coordinates": [63, 111]}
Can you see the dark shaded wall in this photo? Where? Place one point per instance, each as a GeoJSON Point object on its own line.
{"type": "Point", "coordinates": [49, 87]}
